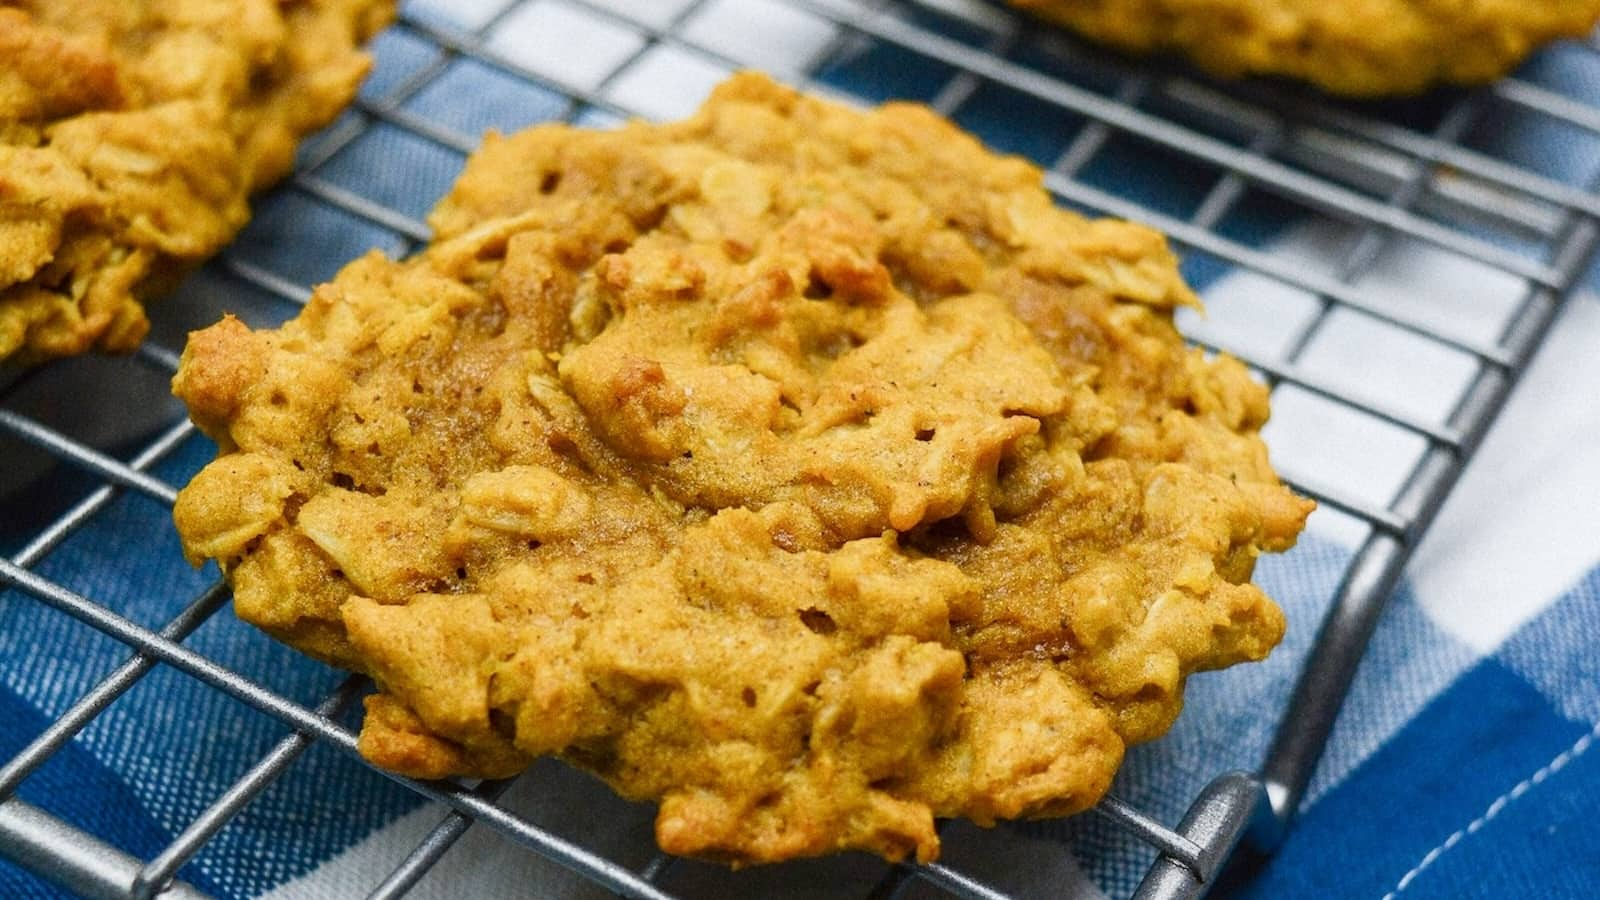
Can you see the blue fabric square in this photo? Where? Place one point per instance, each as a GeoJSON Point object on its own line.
{"type": "Point", "coordinates": [76, 788]}
{"type": "Point", "coordinates": [1011, 121]}
{"type": "Point", "coordinates": [173, 743]}
{"type": "Point", "coordinates": [395, 169]}
{"type": "Point", "coordinates": [397, 54]}
{"type": "Point", "coordinates": [1559, 652]}
{"type": "Point", "coordinates": [1542, 143]}
{"type": "Point", "coordinates": [1541, 843]}
{"type": "Point", "coordinates": [1057, 53]}
{"type": "Point", "coordinates": [876, 72]}
{"type": "Point", "coordinates": [302, 239]}
{"type": "Point", "coordinates": [1472, 744]}
{"type": "Point", "coordinates": [471, 98]}
{"type": "Point", "coordinates": [1154, 177]}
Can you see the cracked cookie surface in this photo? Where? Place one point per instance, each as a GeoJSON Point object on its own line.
{"type": "Point", "coordinates": [131, 136]}
{"type": "Point", "coordinates": [800, 468]}
{"type": "Point", "coordinates": [1361, 48]}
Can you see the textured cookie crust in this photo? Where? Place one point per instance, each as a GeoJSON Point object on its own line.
{"type": "Point", "coordinates": [1363, 48]}
{"type": "Point", "coordinates": [132, 133]}
{"type": "Point", "coordinates": [801, 468]}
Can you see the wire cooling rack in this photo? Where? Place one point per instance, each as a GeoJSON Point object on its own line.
{"type": "Point", "coordinates": [1236, 163]}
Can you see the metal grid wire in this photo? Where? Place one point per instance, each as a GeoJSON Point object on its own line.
{"type": "Point", "coordinates": [1412, 174]}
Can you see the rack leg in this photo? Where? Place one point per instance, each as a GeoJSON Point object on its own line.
{"type": "Point", "coordinates": [1228, 806]}
{"type": "Point", "coordinates": [70, 857]}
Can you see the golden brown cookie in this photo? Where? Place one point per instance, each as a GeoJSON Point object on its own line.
{"type": "Point", "coordinates": [800, 468]}
{"type": "Point", "coordinates": [131, 134]}
{"type": "Point", "coordinates": [1362, 48]}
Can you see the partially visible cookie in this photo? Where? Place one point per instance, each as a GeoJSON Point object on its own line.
{"type": "Point", "coordinates": [1361, 48]}
{"type": "Point", "coordinates": [800, 468]}
{"type": "Point", "coordinates": [132, 133]}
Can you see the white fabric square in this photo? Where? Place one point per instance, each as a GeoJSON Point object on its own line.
{"type": "Point", "coordinates": [665, 83]}
{"type": "Point", "coordinates": [1444, 292]}
{"type": "Point", "coordinates": [571, 46]}
{"type": "Point", "coordinates": [465, 15]}
{"type": "Point", "coordinates": [1327, 444]}
{"type": "Point", "coordinates": [761, 33]}
{"type": "Point", "coordinates": [1398, 369]}
{"type": "Point", "coordinates": [653, 13]}
{"type": "Point", "coordinates": [1337, 526]}
{"type": "Point", "coordinates": [1523, 524]}
{"type": "Point", "coordinates": [1251, 314]}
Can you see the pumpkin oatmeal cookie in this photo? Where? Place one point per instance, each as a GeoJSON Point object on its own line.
{"type": "Point", "coordinates": [800, 468]}
{"type": "Point", "coordinates": [1362, 48]}
{"type": "Point", "coordinates": [132, 133]}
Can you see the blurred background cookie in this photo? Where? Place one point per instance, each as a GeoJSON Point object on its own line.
{"type": "Point", "coordinates": [1364, 48]}
{"type": "Point", "coordinates": [131, 137]}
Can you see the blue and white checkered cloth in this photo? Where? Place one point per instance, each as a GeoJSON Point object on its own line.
{"type": "Point", "coordinates": [1463, 765]}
